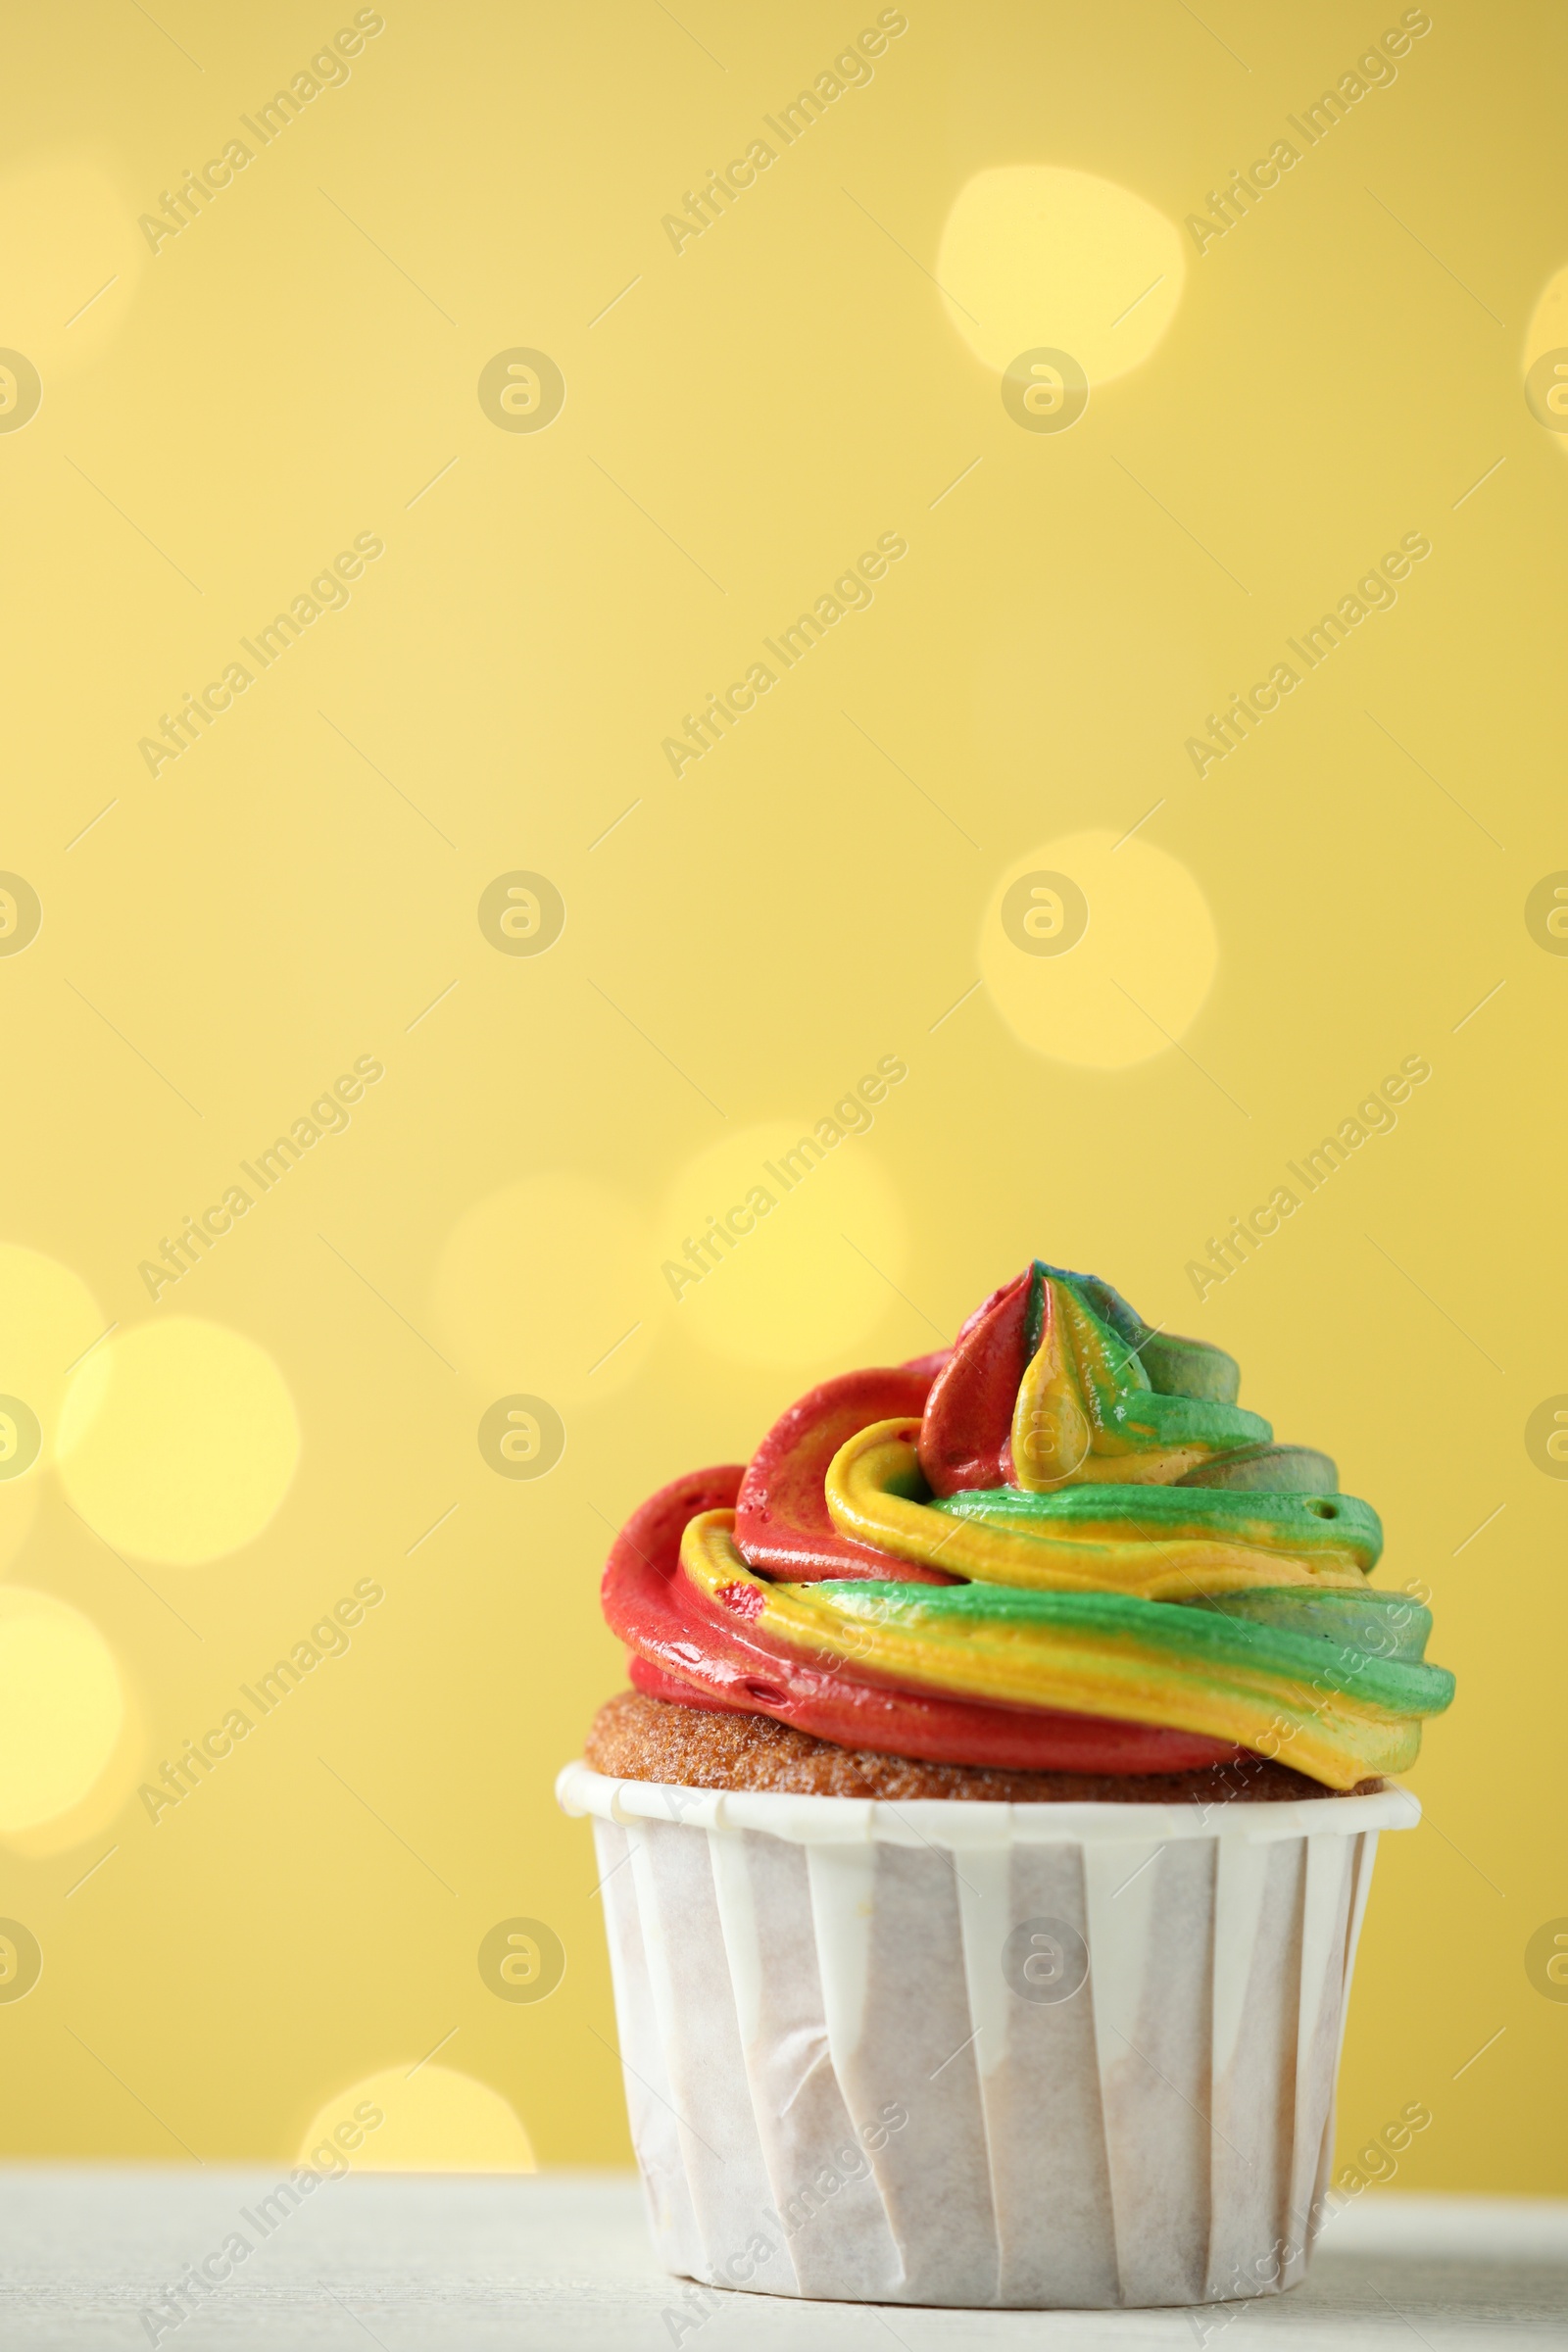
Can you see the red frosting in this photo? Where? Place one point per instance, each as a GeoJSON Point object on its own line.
{"type": "Point", "coordinates": [969, 1420]}
{"type": "Point", "coordinates": [781, 1515]}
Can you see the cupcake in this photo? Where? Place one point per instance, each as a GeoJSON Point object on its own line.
{"type": "Point", "coordinates": [986, 1834]}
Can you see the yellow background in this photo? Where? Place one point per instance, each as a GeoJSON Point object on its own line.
{"type": "Point", "coordinates": [299, 365]}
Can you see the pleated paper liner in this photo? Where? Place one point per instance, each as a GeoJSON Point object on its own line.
{"type": "Point", "coordinates": [1046, 2056]}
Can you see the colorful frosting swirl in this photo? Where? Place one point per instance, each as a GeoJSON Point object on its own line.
{"type": "Point", "coordinates": [1062, 1544]}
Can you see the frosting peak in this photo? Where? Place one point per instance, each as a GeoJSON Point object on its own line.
{"type": "Point", "coordinates": [1058, 1381]}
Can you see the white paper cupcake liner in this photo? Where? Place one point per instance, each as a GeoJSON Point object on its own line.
{"type": "Point", "coordinates": [1041, 2056]}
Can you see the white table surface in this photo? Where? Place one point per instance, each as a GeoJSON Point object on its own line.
{"type": "Point", "coordinates": [560, 2261]}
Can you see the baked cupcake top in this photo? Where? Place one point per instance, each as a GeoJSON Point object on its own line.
{"type": "Point", "coordinates": [1062, 1544]}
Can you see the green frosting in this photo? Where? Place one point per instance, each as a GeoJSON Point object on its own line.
{"type": "Point", "coordinates": [1387, 1625]}
{"type": "Point", "coordinates": [1364, 1646]}
{"type": "Point", "coordinates": [1175, 1367]}
{"type": "Point", "coordinates": [1189, 1402]}
{"type": "Point", "coordinates": [1269, 1470]}
{"type": "Point", "coordinates": [1305, 1525]}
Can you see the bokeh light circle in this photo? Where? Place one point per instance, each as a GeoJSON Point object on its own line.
{"type": "Point", "coordinates": [1138, 975]}
{"type": "Point", "coordinates": [1040, 255]}
{"type": "Point", "coordinates": [193, 1447]}
{"type": "Point", "coordinates": [548, 1287]}
{"type": "Point", "coordinates": [432, 2120]}
{"type": "Point", "coordinates": [61, 1707]}
{"type": "Point", "coordinates": [815, 1272]}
